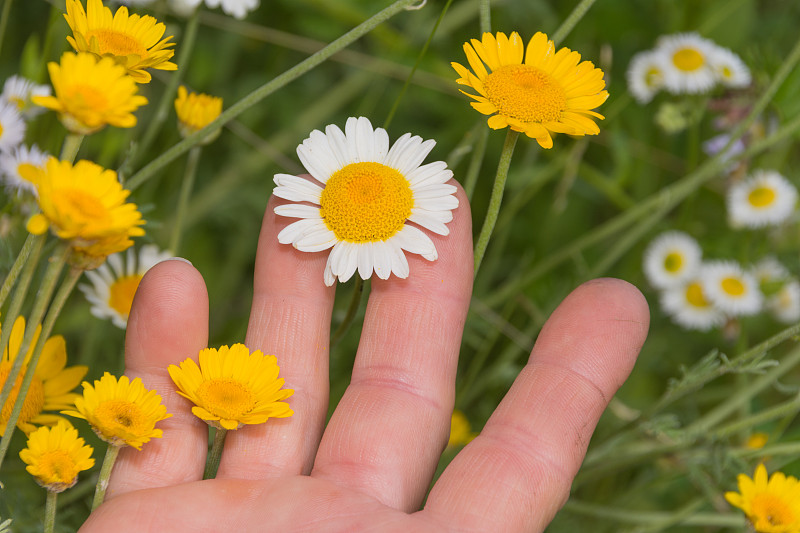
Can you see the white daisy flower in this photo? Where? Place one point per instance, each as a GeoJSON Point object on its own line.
{"type": "Point", "coordinates": [785, 304]}
{"type": "Point", "coordinates": [114, 283]}
{"type": "Point", "coordinates": [689, 307]}
{"type": "Point", "coordinates": [368, 193]}
{"type": "Point", "coordinates": [671, 259]}
{"type": "Point", "coordinates": [12, 127]}
{"type": "Point", "coordinates": [769, 270]}
{"type": "Point", "coordinates": [18, 91]}
{"type": "Point", "coordinates": [645, 75]}
{"type": "Point", "coordinates": [234, 8]}
{"type": "Point", "coordinates": [729, 68]}
{"type": "Point", "coordinates": [15, 159]}
{"type": "Point", "coordinates": [730, 288]}
{"type": "Point", "coordinates": [765, 198]}
{"type": "Point", "coordinates": [688, 67]}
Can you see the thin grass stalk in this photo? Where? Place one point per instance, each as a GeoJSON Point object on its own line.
{"type": "Point", "coordinates": [4, 20]}
{"type": "Point", "coordinates": [27, 249]}
{"type": "Point", "coordinates": [265, 90]}
{"type": "Point", "coordinates": [183, 199]}
{"type": "Point", "coordinates": [69, 150]}
{"type": "Point", "coordinates": [746, 424]}
{"type": "Point", "coordinates": [496, 199]}
{"type": "Point", "coordinates": [47, 327]}
{"type": "Point", "coordinates": [476, 161]}
{"type": "Point", "coordinates": [410, 76]}
{"type": "Point", "coordinates": [631, 516]}
{"type": "Point", "coordinates": [168, 96]}
{"type": "Point", "coordinates": [571, 21]}
{"type": "Point", "coordinates": [485, 16]}
{"type": "Point", "coordinates": [46, 289]}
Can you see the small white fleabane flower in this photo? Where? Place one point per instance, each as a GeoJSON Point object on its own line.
{"type": "Point", "coordinates": [12, 127]}
{"type": "Point", "coordinates": [785, 304]}
{"type": "Point", "coordinates": [730, 288]}
{"type": "Point", "coordinates": [645, 75]}
{"type": "Point", "coordinates": [729, 68]}
{"type": "Point", "coordinates": [18, 91]}
{"type": "Point", "coordinates": [114, 283]}
{"type": "Point", "coordinates": [688, 67]}
{"type": "Point", "coordinates": [671, 259]}
{"type": "Point", "coordinates": [769, 269]}
{"type": "Point", "coordinates": [235, 8]}
{"type": "Point", "coordinates": [689, 307]}
{"type": "Point", "coordinates": [12, 164]}
{"type": "Point", "coordinates": [765, 198]}
{"type": "Point", "coordinates": [369, 192]}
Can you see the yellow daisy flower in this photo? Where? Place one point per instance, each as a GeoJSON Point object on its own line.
{"type": "Point", "coordinates": [91, 93]}
{"type": "Point", "coordinates": [460, 430]}
{"type": "Point", "coordinates": [233, 387]}
{"type": "Point", "coordinates": [84, 204]}
{"type": "Point", "coordinates": [550, 92]}
{"type": "Point", "coordinates": [122, 413]}
{"type": "Point", "coordinates": [772, 505]}
{"type": "Point", "coordinates": [196, 111]}
{"type": "Point", "coordinates": [56, 455]}
{"type": "Point", "coordinates": [51, 386]}
{"type": "Point", "coordinates": [130, 40]}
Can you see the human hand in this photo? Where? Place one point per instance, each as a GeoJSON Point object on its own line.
{"type": "Point", "coordinates": [371, 466]}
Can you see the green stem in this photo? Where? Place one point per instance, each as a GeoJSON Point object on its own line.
{"type": "Point", "coordinates": [570, 22]}
{"type": "Point", "coordinates": [265, 90]}
{"type": "Point", "coordinates": [183, 199]}
{"type": "Point", "coordinates": [27, 248]}
{"type": "Point", "coordinates": [167, 97]}
{"type": "Point", "coordinates": [4, 20]}
{"type": "Point", "coordinates": [475, 162]}
{"type": "Point", "coordinates": [47, 327]}
{"type": "Point", "coordinates": [105, 474]}
{"type": "Point", "coordinates": [72, 143]}
{"type": "Point", "coordinates": [352, 308]}
{"type": "Point", "coordinates": [50, 511]}
{"type": "Point", "coordinates": [485, 16]}
{"type": "Point", "coordinates": [645, 517]}
{"type": "Point", "coordinates": [43, 296]}
{"type": "Point", "coordinates": [496, 199]}
{"type": "Point", "coordinates": [788, 408]}
{"type": "Point", "coordinates": [215, 454]}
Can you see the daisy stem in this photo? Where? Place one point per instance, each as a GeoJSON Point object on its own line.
{"type": "Point", "coordinates": [183, 199]}
{"type": "Point", "coordinates": [47, 327]}
{"type": "Point", "coordinates": [72, 143]}
{"type": "Point", "coordinates": [485, 16]}
{"type": "Point", "coordinates": [105, 473]}
{"type": "Point", "coordinates": [497, 197]}
{"type": "Point", "coordinates": [4, 20]}
{"type": "Point", "coordinates": [33, 241]}
{"type": "Point", "coordinates": [355, 301]}
{"type": "Point", "coordinates": [167, 97]}
{"type": "Point", "coordinates": [215, 454]}
{"type": "Point", "coordinates": [50, 511]}
{"type": "Point", "coordinates": [265, 90]}
{"type": "Point", "coordinates": [573, 19]}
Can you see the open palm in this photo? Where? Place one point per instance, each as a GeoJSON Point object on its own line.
{"type": "Point", "coordinates": [370, 467]}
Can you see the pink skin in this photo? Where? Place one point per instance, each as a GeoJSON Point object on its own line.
{"type": "Point", "coordinates": [370, 468]}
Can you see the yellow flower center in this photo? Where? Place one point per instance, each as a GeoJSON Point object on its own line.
{"type": "Point", "coordinates": [366, 202]}
{"type": "Point", "coordinates": [57, 467]}
{"type": "Point", "coordinates": [761, 197]}
{"type": "Point", "coordinates": [85, 97]}
{"type": "Point", "coordinates": [673, 262]}
{"type": "Point", "coordinates": [20, 103]}
{"type": "Point", "coordinates": [116, 43]}
{"type": "Point", "coordinates": [694, 295]}
{"type": "Point", "coordinates": [652, 77]}
{"type": "Point", "coordinates": [688, 59]}
{"type": "Point", "coordinates": [733, 286]}
{"type": "Point", "coordinates": [79, 207]}
{"type": "Point", "coordinates": [121, 293]}
{"type": "Point", "coordinates": [120, 417]}
{"type": "Point", "coordinates": [227, 398]}
{"type": "Point", "coordinates": [34, 400]}
{"type": "Point", "coordinates": [1, 129]}
{"type": "Point", "coordinates": [525, 93]}
{"type": "Point", "coordinates": [727, 73]}
{"type": "Point", "coordinates": [772, 509]}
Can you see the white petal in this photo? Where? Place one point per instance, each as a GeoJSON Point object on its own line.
{"type": "Point", "coordinates": [429, 223]}
{"type": "Point", "coordinates": [399, 148]}
{"type": "Point", "coordinates": [435, 191]}
{"type": "Point", "coordinates": [381, 146]}
{"type": "Point", "coordinates": [296, 189]}
{"type": "Point", "coordinates": [338, 144]}
{"type": "Point", "coordinates": [365, 260]}
{"type": "Point", "coordinates": [444, 215]}
{"type": "Point", "coordinates": [429, 174]}
{"type": "Point", "coordinates": [442, 203]}
{"type": "Point", "coordinates": [296, 230]}
{"type": "Point", "coordinates": [298, 211]}
{"type": "Point", "coordinates": [328, 276]}
{"type": "Point", "coordinates": [348, 261]}
{"type": "Point", "coordinates": [414, 159]}
{"type": "Point", "coordinates": [316, 155]}
{"type": "Point", "coordinates": [399, 262]}
{"type": "Point", "coordinates": [382, 260]}
{"type": "Point", "coordinates": [416, 242]}
{"type": "Point", "coordinates": [316, 241]}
